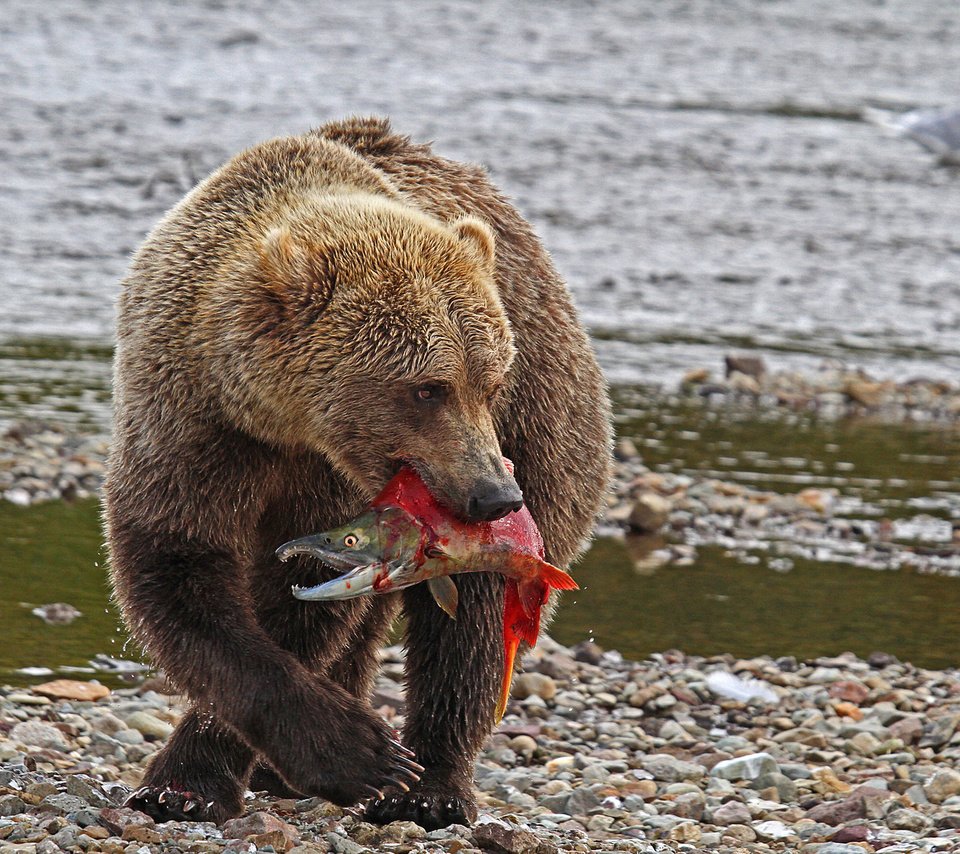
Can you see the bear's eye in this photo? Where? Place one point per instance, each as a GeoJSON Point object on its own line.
{"type": "Point", "coordinates": [350, 540]}
{"type": "Point", "coordinates": [430, 393]}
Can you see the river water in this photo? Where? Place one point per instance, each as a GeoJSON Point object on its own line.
{"type": "Point", "coordinates": [707, 175]}
{"type": "Point", "coordinates": [700, 171]}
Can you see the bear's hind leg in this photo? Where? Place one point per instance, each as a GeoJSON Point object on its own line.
{"type": "Point", "coordinates": [199, 775]}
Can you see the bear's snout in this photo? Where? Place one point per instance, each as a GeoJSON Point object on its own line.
{"type": "Point", "coordinates": [493, 500]}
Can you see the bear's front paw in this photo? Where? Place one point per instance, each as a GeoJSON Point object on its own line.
{"type": "Point", "coordinates": [164, 804]}
{"type": "Point", "coordinates": [430, 810]}
{"type": "Point", "coordinates": [347, 769]}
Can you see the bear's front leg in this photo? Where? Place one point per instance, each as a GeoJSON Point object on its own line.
{"type": "Point", "coordinates": [453, 670]}
{"type": "Point", "coordinates": [181, 597]}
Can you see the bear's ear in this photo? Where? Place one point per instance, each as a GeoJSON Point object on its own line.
{"type": "Point", "coordinates": [479, 236]}
{"type": "Point", "coordinates": [282, 259]}
{"type": "Point", "coordinates": [297, 277]}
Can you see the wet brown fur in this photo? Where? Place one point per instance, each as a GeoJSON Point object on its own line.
{"type": "Point", "coordinates": [271, 335]}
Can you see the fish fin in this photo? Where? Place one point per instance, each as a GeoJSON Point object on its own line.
{"type": "Point", "coordinates": [445, 594]}
{"type": "Point", "coordinates": [557, 578]}
{"type": "Point", "coordinates": [521, 615]}
{"type": "Point", "coordinates": [510, 644]}
{"type": "Point", "coordinates": [532, 594]}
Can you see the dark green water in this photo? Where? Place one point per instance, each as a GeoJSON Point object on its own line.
{"type": "Point", "coordinates": [720, 604]}
{"type": "Point", "coordinates": [53, 553]}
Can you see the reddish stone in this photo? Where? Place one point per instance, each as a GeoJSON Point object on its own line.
{"type": "Point", "coordinates": [259, 824]}
{"type": "Point", "coordinates": [139, 833]}
{"type": "Point", "coordinates": [503, 838]}
{"type": "Point", "coordinates": [274, 838]}
{"type": "Point", "coordinates": [862, 802]}
{"type": "Point", "coordinates": [907, 729]}
{"type": "Point", "coordinates": [852, 833]}
{"type": "Point", "coordinates": [116, 819]}
{"type": "Point", "coordinates": [849, 690]}
{"type": "Point", "coordinates": [838, 812]}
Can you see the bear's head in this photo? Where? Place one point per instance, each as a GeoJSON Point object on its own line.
{"type": "Point", "coordinates": [374, 334]}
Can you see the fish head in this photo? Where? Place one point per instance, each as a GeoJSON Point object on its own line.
{"type": "Point", "coordinates": [354, 544]}
{"type": "Point", "coordinates": [376, 536]}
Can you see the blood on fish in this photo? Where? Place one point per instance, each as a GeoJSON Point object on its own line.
{"type": "Point", "coordinates": [521, 619]}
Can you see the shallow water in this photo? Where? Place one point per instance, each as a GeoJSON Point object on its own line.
{"type": "Point", "coordinates": [727, 601]}
{"type": "Point", "coordinates": [699, 171]}
{"type": "Point", "coordinates": [721, 605]}
{"type": "Point", "coordinates": [902, 472]}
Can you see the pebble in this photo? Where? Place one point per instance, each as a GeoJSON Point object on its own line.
{"type": "Point", "coordinates": [534, 684]}
{"type": "Point", "coordinates": [731, 812]}
{"type": "Point", "coordinates": [603, 778]}
{"type": "Point", "coordinates": [663, 766]}
{"type": "Point", "coordinates": [942, 785]}
{"type": "Point", "coordinates": [38, 734]}
{"type": "Point", "coordinates": [71, 689]}
{"type": "Point", "coordinates": [840, 848]}
{"type": "Point", "coordinates": [772, 831]}
{"type": "Point", "coordinates": [148, 725]}
{"type": "Point", "coordinates": [745, 767]}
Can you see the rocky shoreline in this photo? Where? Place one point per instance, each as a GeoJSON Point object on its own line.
{"type": "Point", "coordinates": [596, 753]}
{"type": "Point", "coordinates": [834, 391]}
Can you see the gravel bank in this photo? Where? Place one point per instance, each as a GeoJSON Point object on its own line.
{"type": "Point", "coordinates": [844, 756]}
{"type": "Point", "coordinates": [44, 462]}
{"type": "Point", "coordinates": [834, 391]}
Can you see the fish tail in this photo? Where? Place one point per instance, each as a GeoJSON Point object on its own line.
{"type": "Point", "coordinates": [517, 627]}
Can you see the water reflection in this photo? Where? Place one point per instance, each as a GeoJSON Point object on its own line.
{"type": "Point", "coordinates": [720, 604]}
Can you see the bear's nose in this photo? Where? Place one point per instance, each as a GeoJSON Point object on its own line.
{"type": "Point", "coordinates": [494, 501]}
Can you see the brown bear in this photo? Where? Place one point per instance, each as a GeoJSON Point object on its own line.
{"type": "Point", "coordinates": [320, 311]}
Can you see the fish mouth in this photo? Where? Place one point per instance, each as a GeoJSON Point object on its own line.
{"type": "Point", "coordinates": [369, 578]}
{"type": "Point", "coordinates": [319, 546]}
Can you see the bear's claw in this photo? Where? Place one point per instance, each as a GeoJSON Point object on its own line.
{"type": "Point", "coordinates": [171, 805]}
{"type": "Point", "coordinates": [431, 812]}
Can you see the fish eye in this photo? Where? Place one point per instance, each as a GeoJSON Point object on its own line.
{"type": "Point", "coordinates": [350, 540]}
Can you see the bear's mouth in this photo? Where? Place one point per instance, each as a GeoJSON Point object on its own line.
{"type": "Point", "coordinates": [424, 473]}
